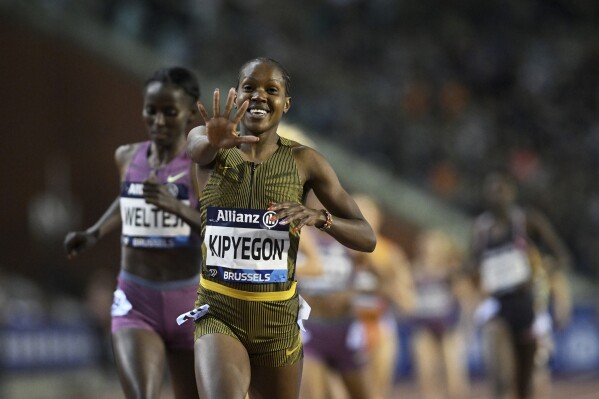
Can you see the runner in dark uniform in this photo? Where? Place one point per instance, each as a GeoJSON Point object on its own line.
{"type": "Point", "coordinates": [502, 249]}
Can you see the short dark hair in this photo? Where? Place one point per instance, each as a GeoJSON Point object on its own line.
{"type": "Point", "coordinates": [280, 67]}
{"type": "Point", "coordinates": [180, 77]}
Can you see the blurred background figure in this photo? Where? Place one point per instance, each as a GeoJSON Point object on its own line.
{"type": "Point", "coordinates": [438, 331]}
{"type": "Point", "coordinates": [505, 259]}
{"type": "Point", "coordinates": [334, 339]}
{"type": "Point", "coordinates": [384, 290]}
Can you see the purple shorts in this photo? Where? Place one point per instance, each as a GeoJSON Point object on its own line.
{"type": "Point", "coordinates": [340, 343]}
{"type": "Point", "coordinates": [154, 306]}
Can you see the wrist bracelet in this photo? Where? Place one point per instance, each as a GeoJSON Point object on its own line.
{"type": "Point", "coordinates": [327, 224]}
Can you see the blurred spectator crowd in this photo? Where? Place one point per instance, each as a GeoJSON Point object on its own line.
{"type": "Point", "coordinates": [437, 92]}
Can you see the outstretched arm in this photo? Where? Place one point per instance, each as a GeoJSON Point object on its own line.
{"type": "Point", "coordinates": [348, 225]}
{"type": "Point", "coordinates": [203, 142]}
{"type": "Point", "coordinates": [390, 264]}
{"type": "Point", "coordinates": [77, 241]}
{"type": "Point", "coordinates": [539, 226]}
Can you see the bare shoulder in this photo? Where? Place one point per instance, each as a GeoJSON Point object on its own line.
{"type": "Point", "coordinates": [305, 154]}
{"type": "Point", "coordinates": [532, 212]}
{"type": "Point", "coordinates": [390, 250]}
{"type": "Point", "coordinates": [123, 156]}
{"type": "Point", "coordinates": [196, 131]}
{"type": "Point", "coordinates": [310, 162]}
{"type": "Point", "coordinates": [124, 153]}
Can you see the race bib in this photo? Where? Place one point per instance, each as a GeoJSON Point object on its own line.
{"type": "Point", "coordinates": [433, 300]}
{"type": "Point", "coordinates": [504, 268]}
{"type": "Point", "coordinates": [147, 226]}
{"type": "Point", "coordinates": [245, 245]}
{"type": "Point", "coordinates": [336, 275]}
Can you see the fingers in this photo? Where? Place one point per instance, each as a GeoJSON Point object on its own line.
{"type": "Point", "coordinates": [281, 205]}
{"type": "Point", "coordinates": [291, 212]}
{"type": "Point", "coordinates": [228, 107]}
{"type": "Point", "coordinates": [152, 193]}
{"type": "Point", "coordinates": [303, 222]}
{"type": "Point", "coordinates": [241, 112]}
{"type": "Point", "coordinates": [203, 112]}
{"type": "Point", "coordinates": [216, 103]}
{"type": "Point", "coordinates": [73, 252]}
{"type": "Point", "coordinates": [230, 101]}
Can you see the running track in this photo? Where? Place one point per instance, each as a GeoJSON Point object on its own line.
{"type": "Point", "coordinates": [91, 384]}
{"type": "Point", "coordinates": [586, 387]}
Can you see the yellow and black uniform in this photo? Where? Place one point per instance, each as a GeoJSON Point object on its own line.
{"type": "Point", "coordinates": [248, 269]}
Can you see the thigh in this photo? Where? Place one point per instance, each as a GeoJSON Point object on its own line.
{"type": "Point", "coordinates": [382, 362]}
{"type": "Point", "coordinates": [276, 382]}
{"type": "Point", "coordinates": [456, 368]}
{"type": "Point", "coordinates": [499, 354]}
{"type": "Point", "coordinates": [140, 359]}
{"type": "Point", "coordinates": [524, 356]}
{"type": "Point", "coordinates": [181, 366]}
{"type": "Point", "coordinates": [355, 383]}
{"type": "Point", "coordinates": [426, 354]}
{"type": "Point", "coordinates": [314, 380]}
{"type": "Point", "coordinates": [454, 351]}
{"type": "Point", "coordinates": [222, 367]}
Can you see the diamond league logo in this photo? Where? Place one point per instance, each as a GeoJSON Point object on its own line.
{"type": "Point", "coordinates": [266, 219]}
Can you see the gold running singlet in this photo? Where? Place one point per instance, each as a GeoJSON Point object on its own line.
{"type": "Point", "coordinates": [248, 269]}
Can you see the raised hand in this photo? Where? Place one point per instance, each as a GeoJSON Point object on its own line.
{"type": "Point", "coordinates": [221, 130]}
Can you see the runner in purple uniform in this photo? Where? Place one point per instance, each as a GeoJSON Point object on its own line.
{"type": "Point", "coordinates": [438, 336]}
{"type": "Point", "coordinates": [161, 255]}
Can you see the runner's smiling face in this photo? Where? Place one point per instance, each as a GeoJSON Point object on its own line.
{"type": "Point", "coordinates": [166, 112]}
{"type": "Point", "coordinates": [262, 83]}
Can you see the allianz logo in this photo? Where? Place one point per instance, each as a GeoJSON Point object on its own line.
{"type": "Point", "coordinates": [228, 215]}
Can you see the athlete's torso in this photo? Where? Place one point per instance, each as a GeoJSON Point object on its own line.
{"type": "Point", "coordinates": [434, 297]}
{"type": "Point", "coordinates": [369, 300]}
{"type": "Point", "coordinates": [157, 245]}
{"type": "Point", "coordinates": [242, 248]}
{"type": "Point", "coordinates": [329, 293]}
{"type": "Point", "coordinates": [503, 252]}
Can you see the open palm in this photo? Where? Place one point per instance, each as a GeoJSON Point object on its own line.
{"type": "Point", "coordinates": [221, 130]}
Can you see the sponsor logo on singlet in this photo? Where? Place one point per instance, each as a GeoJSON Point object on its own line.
{"type": "Point", "coordinates": [146, 225]}
{"type": "Point", "coordinates": [245, 245]}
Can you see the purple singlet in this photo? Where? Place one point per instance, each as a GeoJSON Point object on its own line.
{"type": "Point", "coordinates": [145, 225]}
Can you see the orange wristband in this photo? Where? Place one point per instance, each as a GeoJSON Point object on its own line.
{"type": "Point", "coordinates": [328, 222]}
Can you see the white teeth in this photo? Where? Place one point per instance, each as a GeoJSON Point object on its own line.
{"type": "Point", "coordinates": [257, 112]}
